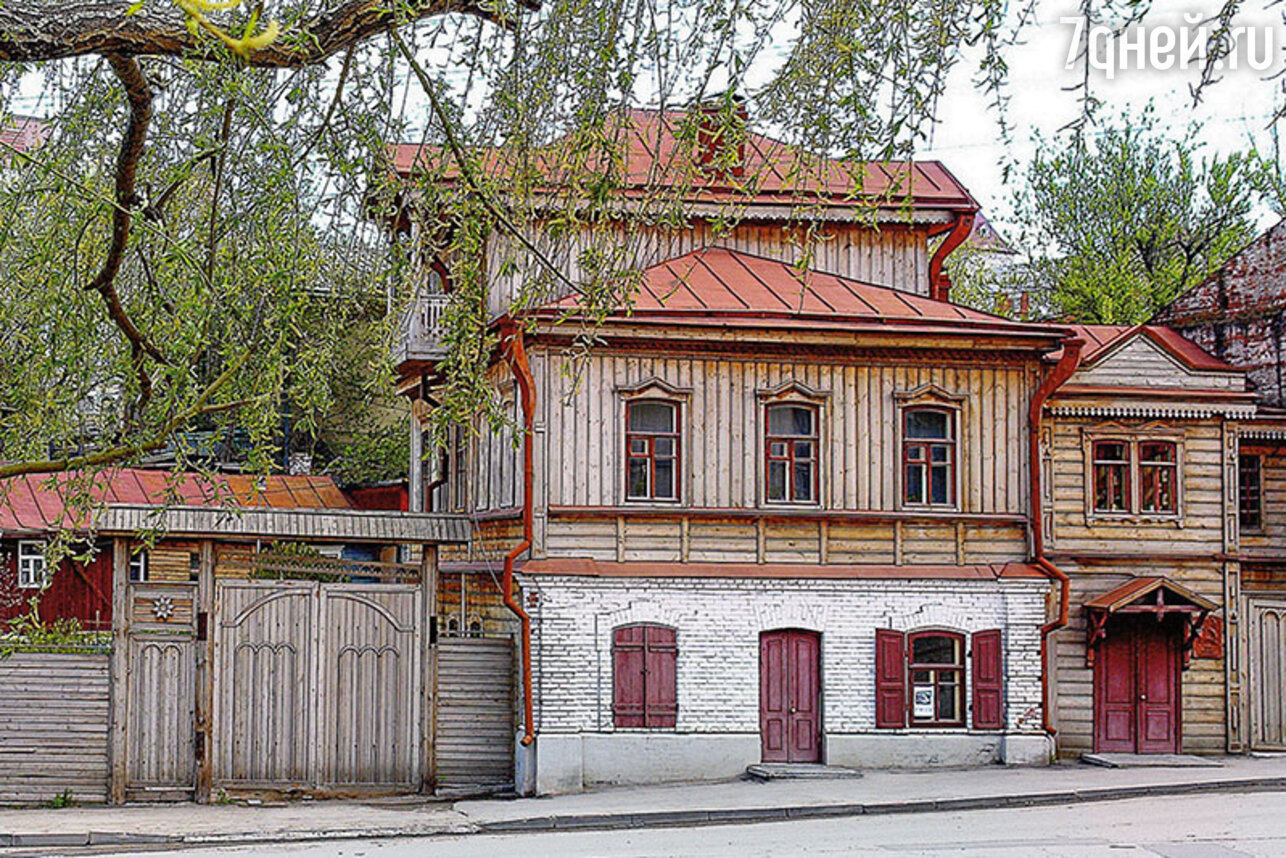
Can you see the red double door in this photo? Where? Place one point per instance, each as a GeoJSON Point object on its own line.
{"type": "Point", "coordinates": [790, 696]}
{"type": "Point", "coordinates": [1136, 687]}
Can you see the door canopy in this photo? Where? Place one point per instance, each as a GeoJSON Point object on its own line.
{"type": "Point", "coordinates": [1152, 597]}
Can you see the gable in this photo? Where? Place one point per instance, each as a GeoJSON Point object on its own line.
{"type": "Point", "coordinates": [1142, 362]}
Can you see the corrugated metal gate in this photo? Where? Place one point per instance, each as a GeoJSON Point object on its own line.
{"type": "Point", "coordinates": [317, 686]}
{"type": "Point", "coordinates": [1268, 674]}
{"type": "Point", "coordinates": [475, 713]}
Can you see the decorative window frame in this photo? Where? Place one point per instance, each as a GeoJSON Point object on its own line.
{"type": "Point", "coordinates": [793, 392]}
{"type": "Point", "coordinates": [1134, 436]}
{"type": "Point", "coordinates": [653, 389]}
{"type": "Point", "coordinates": [32, 551]}
{"type": "Point", "coordinates": [929, 396]}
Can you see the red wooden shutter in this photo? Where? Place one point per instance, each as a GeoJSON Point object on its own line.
{"type": "Point", "coordinates": [988, 685]}
{"type": "Point", "coordinates": [662, 705]}
{"type": "Point", "coordinates": [890, 678]}
{"type": "Point", "coordinates": [628, 663]}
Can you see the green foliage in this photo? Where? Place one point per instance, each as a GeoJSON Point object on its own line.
{"type": "Point", "coordinates": [61, 800]}
{"type": "Point", "coordinates": [1131, 217]}
{"type": "Point", "coordinates": [29, 633]}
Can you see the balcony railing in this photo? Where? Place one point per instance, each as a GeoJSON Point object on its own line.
{"type": "Point", "coordinates": [422, 330]}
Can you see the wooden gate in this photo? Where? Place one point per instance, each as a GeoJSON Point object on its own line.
{"type": "Point", "coordinates": [1268, 674]}
{"type": "Point", "coordinates": [474, 737]}
{"type": "Point", "coordinates": [160, 692]}
{"type": "Point", "coordinates": [317, 686]}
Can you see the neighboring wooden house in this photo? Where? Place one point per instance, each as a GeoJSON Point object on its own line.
{"type": "Point", "coordinates": [784, 516]}
{"type": "Point", "coordinates": [1139, 457]}
{"type": "Point", "coordinates": [35, 509]}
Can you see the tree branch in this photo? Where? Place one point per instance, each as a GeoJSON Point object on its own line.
{"type": "Point", "coordinates": [140, 100]}
{"type": "Point", "coordinates": [123, 452]}
{"type": "Point", "coordinates": [31, 31]}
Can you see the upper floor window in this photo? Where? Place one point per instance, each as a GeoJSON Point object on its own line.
{"type": "Point", "coordinates": [1158, 477]}
{"type": "Point", "coordinates": [31, 565]}
{"type": "Point", "coordinates": [928, 457]}
{"type": "Point", "coordinates": [1112, 476]}
{"type": "Point", "coordinates": [1135, 476]}
{"type": "Point", "coordinates": [791, 449]}
{"type": "Point", "coordinates": [1250, 497]}
{"type": "Point", "coordinates": [651, 450]}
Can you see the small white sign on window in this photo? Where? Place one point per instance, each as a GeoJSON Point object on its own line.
{"type": "Point", "coordinates": [922, 703]}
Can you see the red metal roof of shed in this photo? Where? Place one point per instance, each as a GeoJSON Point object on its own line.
{"type": "Point", "coordinates": [653, 155]}
{"type": "Point", "coordinates": [43, 502]}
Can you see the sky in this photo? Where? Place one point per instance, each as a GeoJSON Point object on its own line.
{"type": "Point", "coordinates": [1234, 112]}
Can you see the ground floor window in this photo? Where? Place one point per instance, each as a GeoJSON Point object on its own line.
{"type": "Point", "coordinates": [920, 678]}
{"type": "Point", "coordinates": [644, 676]}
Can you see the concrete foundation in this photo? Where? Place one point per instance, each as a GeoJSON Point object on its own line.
{"type": "Point", "coordinates": [570, 762]}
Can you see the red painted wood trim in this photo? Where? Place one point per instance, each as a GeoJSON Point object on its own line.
{"type": "Point", "coordinates": [988, 680]}
{"type": "Point", "coordinates": [772, 514]}
{"type": "Point", "coordinates": [890, 679]}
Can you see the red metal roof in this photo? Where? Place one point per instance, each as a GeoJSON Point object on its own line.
{"type": "Point", "coordinates": [654, 154]}
{"type": "Point", "coordinates": [23, 133]}
{"type": "Point", "coordinates": [45, 502]}
{"type": "Point", "coordinates": [588, 567]}
{"type": "Point", "coordinates": [1136, 588]}
{"type": "Point", "coordinates": [717, 282]}
{"type": "Point", "coordinates": [1102, 340]}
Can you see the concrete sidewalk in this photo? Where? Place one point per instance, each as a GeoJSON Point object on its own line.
{"type": "Point", "coordinates": [878, 792]}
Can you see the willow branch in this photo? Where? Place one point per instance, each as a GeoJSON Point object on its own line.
{"type": "Point", "coordinates": [466, 171]}
{"type": "Point", "coordinates": [30, 31]}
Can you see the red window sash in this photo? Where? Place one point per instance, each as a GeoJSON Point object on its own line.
{"type": "Point", "coordinates": [957, 670]}
{"type": "Point", "coordinates": [790, 458]}
{"type": "Point", "coordinates": [650, 439]}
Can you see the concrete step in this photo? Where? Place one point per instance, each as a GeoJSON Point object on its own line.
{"type": "Point", "coordinates": [1150, 761]}
{"type": "Point", "coordinates": [799, 771]}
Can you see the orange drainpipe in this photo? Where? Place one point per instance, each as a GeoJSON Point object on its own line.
{"type": "Point", "coordinates": [527, 391]}
{"type": "Point", "coordinates": [939, 282]}
{"type": "Point", "coordinates": [1067, 366]}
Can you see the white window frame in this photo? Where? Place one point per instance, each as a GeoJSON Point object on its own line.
{"type": "Point", "coordinates": [33, 573]}
{"type": "Point", "coordinates": [139, 565]}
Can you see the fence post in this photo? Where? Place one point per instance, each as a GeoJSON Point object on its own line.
{"type": "Point", "coordinates": [429, 664]}
{"type": "Point", "coordinates": [118, 735]}
{"type": "Point", "coordinates": [205, 620]}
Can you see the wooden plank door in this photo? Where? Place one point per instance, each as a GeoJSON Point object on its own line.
{"type": "Point", "coordinates": [1268, 674]}
{"type": "Point", "coordinates": [790, 696]}
{"type": "Point", "coordinates": [1157, 675]}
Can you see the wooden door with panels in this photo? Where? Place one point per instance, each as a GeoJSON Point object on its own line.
{"type": "Point", "coordinates": [790, 696]}
{"type": "Point", "coordinates": [1137, 687]}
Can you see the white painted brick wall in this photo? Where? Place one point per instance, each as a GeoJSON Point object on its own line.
{"type": "Point", "coordinates": [719, 622]}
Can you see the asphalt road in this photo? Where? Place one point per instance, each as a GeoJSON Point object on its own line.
{"type": "Point", "coordinates": [1223, 825]}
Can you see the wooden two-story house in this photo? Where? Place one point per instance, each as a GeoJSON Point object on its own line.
{"type": "Point", "coordinates": [1139, 509]}
{"type": "Point", "coordinates": [779, 513]}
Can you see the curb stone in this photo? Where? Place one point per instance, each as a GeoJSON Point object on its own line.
{"type": "Point", "coordinates": [658, 819]}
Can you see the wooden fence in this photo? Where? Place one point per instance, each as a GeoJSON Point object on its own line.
{"type": "Point", "coordinates": [54, 713]}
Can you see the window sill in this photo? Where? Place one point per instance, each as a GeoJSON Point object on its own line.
{"type": "Point", "coordinates": [1134, 518]}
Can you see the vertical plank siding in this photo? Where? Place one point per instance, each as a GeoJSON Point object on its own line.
{"type": "Point", "coordinates": [54, 711]}
{"type": "Point", "coordinates": [721, 429]}
{"type": "Point", "coordinates": [896, 256]}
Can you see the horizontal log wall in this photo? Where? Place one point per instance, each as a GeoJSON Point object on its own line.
{"type": "Point", "coordinates": [1202, 684]}
{"type": "Point", "coordinates": [1200, 530]}
{"type": "Point", "coordinates": [894, 256]}
{"type": "Point", "coordinates": [54, 712]}
{"type": "Point", "coordinates": [734, 540]}
{"type": "Point", "coordinates": [582, 447]}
